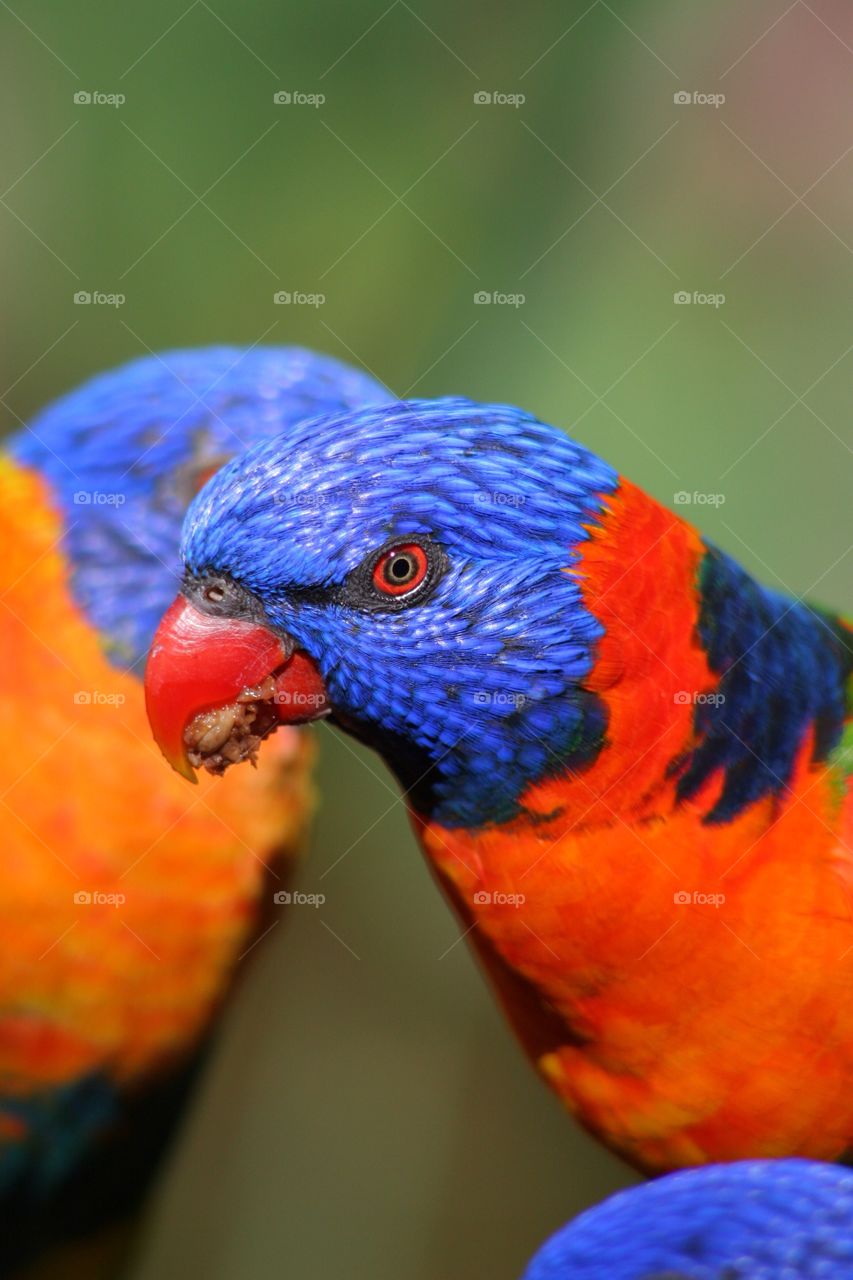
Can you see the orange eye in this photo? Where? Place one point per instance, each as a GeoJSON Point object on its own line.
{"type": "Point", "coordinates": [400, 570]}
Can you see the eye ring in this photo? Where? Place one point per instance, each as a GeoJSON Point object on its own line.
{"type": "Point", "coordinates": [403, 571]}
{"type": "Point", "coordinates": [400, 570]}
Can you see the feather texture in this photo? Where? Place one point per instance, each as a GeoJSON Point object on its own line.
{"type": "Point", "coordinates": [627, 762]}
{"type": "Point", "coordinates": [755, 1220]}
{"type": "Point", "coordinates": [126, 903]}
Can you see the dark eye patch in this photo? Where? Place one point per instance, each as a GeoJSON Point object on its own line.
{"type": "Point", "coordinates": [382, 583]}
{"type": "Point", "coordinates": [402, 573]}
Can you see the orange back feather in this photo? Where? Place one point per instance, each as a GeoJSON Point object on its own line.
{"type": "Point", "coordinates": [89, 807]}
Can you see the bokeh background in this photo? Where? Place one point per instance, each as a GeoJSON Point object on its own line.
{"type": "Point", "coordinates": [367, 1114]}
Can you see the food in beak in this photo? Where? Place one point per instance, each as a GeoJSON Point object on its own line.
{"type": "Point", "coordinates": [215, 687]}
{"type": "Point", "coordinates": [228, 735]}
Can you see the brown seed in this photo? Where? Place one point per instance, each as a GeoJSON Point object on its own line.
{"type": "Point", "coordinates": [220, 728]}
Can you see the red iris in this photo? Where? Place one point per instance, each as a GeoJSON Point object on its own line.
{"type": "Point", "coordinates": [400, 569]}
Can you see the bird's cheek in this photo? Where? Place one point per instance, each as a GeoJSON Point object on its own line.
{"type": "Point", "coordinates": [215, 687]}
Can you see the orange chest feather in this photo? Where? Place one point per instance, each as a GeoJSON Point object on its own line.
{"type": "Point", "coordinates": [685, 987]}
{"type": "Point", "coordinates": [125, 895]}
{"type": "Point", "coordinates": [702, 975]}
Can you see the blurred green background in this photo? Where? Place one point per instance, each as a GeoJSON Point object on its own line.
{"type": "Point", "coordinates": [367, 1113]}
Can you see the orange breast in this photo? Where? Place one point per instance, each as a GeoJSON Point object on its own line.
{"type": "Point", "coordinates": [685, 988]}
{"type": "Point", "coordinates": [126, 895]}
{"type": "Point", "coordinates": [702, 975]}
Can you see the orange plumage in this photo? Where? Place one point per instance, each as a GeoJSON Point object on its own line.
{"type": "Point", "coordinates": [679, 1032]}
{"type": "Point", "coordinates": [627, 761]}
{"type": "Point", "coordinates": [126, 902]}
{"type": "Point", "coordinates": [89, 809]}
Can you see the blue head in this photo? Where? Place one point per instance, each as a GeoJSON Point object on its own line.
{"type": "Point", "coordinates": [756, 1220]}
{"type": "Point", "coordinates": [417, 552]}
{"type": "Point", "coordinates": [125, 453]}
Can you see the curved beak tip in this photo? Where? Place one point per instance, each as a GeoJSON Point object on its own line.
{"type": "Point", "coordinates": [184, 768]}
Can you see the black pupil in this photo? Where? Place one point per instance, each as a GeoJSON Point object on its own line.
{"type": "Point", "coordinates": [402, 568]}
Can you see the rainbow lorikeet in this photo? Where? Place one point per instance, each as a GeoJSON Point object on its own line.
{"type": "Point", "coordinates": [123, 908]}
{"type": "Point", "coordinates": [753, 1220]}
{"type": "Point", "coordinates": [627, 762]}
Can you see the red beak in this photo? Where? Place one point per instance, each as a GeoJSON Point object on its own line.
{"type": "Point", "coordinates": [199, 663]}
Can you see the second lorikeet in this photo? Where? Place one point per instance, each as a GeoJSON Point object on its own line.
{"type": "Point", "coordinates": [753, 1220]}
{"type": "Point", "coordinates": [627, 762]}
{"type": "Point", "coordinates": [124, 909]}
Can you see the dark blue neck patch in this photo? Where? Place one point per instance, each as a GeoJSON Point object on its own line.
{"type": "Point", "coordinates": [783, 669]}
